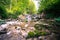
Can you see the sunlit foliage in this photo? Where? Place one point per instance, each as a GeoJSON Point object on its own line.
{"type": "Point", "coordinates": [17, 7]}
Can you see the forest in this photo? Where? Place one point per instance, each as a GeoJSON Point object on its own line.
{"type": "Point", "coordinates": [20, 20]}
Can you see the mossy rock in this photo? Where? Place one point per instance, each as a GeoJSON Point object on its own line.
{"type": "Point", "coordinates": [40, 26]}
{"type": "Point", "coordinates": [40, 33]}
{"type": "Point", "coordinates": [37, 33]}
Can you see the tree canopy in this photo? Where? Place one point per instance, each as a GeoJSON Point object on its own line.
{"type": "Point", "coordinates": [17, 7]}
{"type": "Point", "coordinates": [50, 7]}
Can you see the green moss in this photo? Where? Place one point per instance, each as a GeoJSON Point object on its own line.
{"type": "Point", "coordinates": [40, 33]}
{"type": "Point", "coordinates": [39, 26]}
{"type": "Point", "coordinates": [3, 13]}
{"type": "Point", "coordinates": [37, 33]}
{"type": "Point", "coordinates": [31, 34]}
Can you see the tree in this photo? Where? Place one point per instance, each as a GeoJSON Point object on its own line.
{"type": "Point", "coordinates": [50, 7]}
{"type": "Point", "coordinates": [17, 7]}
{"type": "Point", "coordinates": [3, 14]}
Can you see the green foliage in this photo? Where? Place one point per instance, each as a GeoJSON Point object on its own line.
{"type": "Point", "coordinates": [39, 26]}
{"type": "Point", "coordinates": [15, 15]}
{"type": "Point", "coordinates": [16, 7]}
{"type": "Point", "coordinates": [3, 12]}
{"type": "Point", "coordinates": [43, 27]}
{"type": "Point", "coordinates": [40, 33]}
{"type": "Point", "coordinates": [49, 15]}
{"type": "Point", "coordinates": [47, 4]}
{"type": "Point", "coordinates": [31, 8]}
{"type": "Point", "coordinates": [31, 34]}
{"type": "Point", "coordinates": [37, 33]}
{"type": "Point", "coordinates": [2, 22]}
{"type": "Point", "coordinates": [57, 19]}
{"type": "Point", "coordinates": [51, 8]}
{"type": "Point", "coordinates": [44, 33]}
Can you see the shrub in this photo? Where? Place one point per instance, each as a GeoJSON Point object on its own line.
{"type": "Point", "coordinates": [37, 33]}
{"type": "Point", "coordinates": [43, 33]}
{"type": "Point", "coordinates": [3, 13]}
{"type": "Point", "coordinates": [2, 22]}
{"type": "Point", "coordinates": [40, 33]}
{"type": "Point", "coordinates": [31, 34]}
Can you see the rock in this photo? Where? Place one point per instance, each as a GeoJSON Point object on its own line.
{"type": "Point", "coordinates": [26, 25]}
{"type": "Point", "coordinates": [29, 39]}
{"type": "Point", "coordinates": [24, 34]}
{"type": "Point", "coordinates": [8, 33]}
{"type": "Point", "coordinates": [35, 38]}
{"type": "Point", "coordinates": [4, 26]}
{"type": "Point", "coordinates": [1, 28]}
{"type": "Point", "coordinates": [31, 28]}
{"type": "Point", "coordinates": [11, 22]}
{"type": "Point", "coordinates": [18, 28]}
